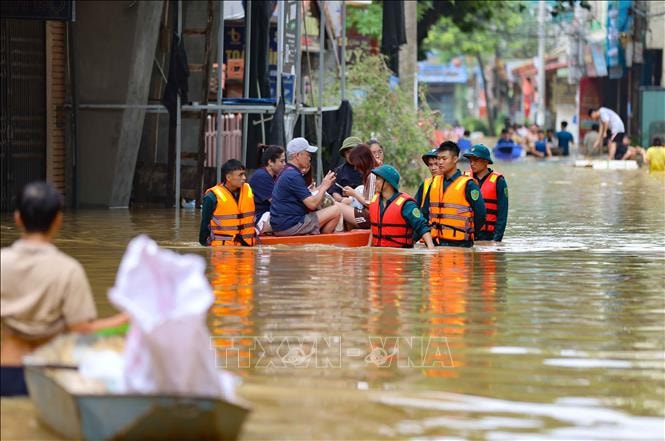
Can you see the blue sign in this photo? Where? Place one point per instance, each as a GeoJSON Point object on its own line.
{"type": "Point", "coordinates": [442, 73]}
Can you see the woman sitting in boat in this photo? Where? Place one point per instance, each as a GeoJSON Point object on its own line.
{"type": "Point", "coordinates": [395, 218]}
{"type": "Point", "coordinates": [263, 181]}
{"type": "Point", "coordinates": [356, 212]}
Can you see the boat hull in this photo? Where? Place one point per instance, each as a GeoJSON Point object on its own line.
{"type": "Point", "coordinates": [131, 416]}
{"type": "Point", "coordinates": [351, 239]}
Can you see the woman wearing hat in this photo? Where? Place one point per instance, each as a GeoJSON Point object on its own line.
{"type": "Point", "coordinates": [346, 174]}
{"type": "Point", "coordinates": [395, 218]}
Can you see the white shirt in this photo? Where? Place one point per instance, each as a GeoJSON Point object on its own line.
{"type": "Point", "coordinates": [612, 120]}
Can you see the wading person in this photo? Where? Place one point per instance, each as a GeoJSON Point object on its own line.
{"type": "Point", "coordinates": [432, 164]}
{"type": "Point", "coordinates": [493, 189]}
{"type": "Point", "coordinates": [43, 291]}
{"type": "Point", "coordinates": [395, 218]}
{"type": "Point", "coordinates": [263, 180]}
{"type": "Point", "coordinates": [564, 139]}
{"type": "Point", "coordinates": [345, 174]}
{"type": "Point", "coordinates": [227, 214]}
{"type": "Point", "coordinates": [455, 207]}
{"type": "Point", "coordinates": [610, 120]}
{"type": "Point", "coordinates": [292, 208]}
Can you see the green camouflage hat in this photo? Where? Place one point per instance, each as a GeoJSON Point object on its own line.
{"type": "Point", "coordinates": [479, 151]}
{"type": "Point", "coordinates": [389, 174]}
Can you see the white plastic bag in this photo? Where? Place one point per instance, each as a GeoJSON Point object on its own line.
{"type": "Point", "coordinates": [167, 295]}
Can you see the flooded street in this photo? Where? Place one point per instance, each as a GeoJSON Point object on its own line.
{"type": "Point", "coordinates": [556, 333]}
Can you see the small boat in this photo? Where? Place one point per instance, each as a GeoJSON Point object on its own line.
{"type": "Point", "coordinates": [604, 164]}
{"type": "Point", "coordinates": [92, 416]}
{"type": "Point", "coordinates": [349, 239]}
{"type": "Point", "coordinates": [508, 152]}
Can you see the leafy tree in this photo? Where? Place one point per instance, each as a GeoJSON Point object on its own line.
{"type": "Point", "coordinates": [450, 39]}
{"type": "Point", "coordinates": [387, 113]}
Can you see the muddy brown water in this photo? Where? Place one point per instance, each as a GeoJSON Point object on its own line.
{"type": "Point", "coordinates": [556, 333]}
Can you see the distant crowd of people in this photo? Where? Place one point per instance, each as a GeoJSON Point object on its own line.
{"type": "Point", "coordinates": [607, 137]}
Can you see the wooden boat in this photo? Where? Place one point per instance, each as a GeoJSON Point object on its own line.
{"type": "Point", "coordinates": [130, 416]}
{"type": "Point", "coordinates": [349, 239]}
{"type": "Point", "coordinates": [604, 164]}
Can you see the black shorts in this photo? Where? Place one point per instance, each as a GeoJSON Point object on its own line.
{"type": "Point", "coordinates": [621, 147]}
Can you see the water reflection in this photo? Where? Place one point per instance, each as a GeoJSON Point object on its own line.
{"type": "Point", "coordinates": [232, 279]}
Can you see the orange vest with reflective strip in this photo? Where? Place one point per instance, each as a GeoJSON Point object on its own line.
{"type": "Point", "coordinates": [232, 223]}
{"type": "Point", "coordinates": [391, 229]}
{"type": "Point", "coordinates": [450, 214]}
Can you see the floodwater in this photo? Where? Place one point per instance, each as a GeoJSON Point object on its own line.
{"type": "Point", "coordinates": [556, 333]}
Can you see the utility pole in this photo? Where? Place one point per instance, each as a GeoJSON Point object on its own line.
{"type": "Point", "coordinates": [408, 53]}
{"type": "Point", "coordinates": [540, 117]}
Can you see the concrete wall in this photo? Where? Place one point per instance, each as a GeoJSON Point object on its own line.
{"type": "Point", "coordinates": [656, 30]}
{"type": "Point", "coordinates": [115, 43]}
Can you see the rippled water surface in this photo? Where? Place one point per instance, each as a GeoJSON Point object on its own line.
{"type": "Point", "coordinates": [556, 333]}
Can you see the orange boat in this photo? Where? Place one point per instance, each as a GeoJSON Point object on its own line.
{"type": "Point", "coordinates": [349, 239]}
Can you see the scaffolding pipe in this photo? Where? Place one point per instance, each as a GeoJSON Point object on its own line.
{"type": "Point", "coordinates": [178, 128]}
{"type": "Point", "coordinates": [220, 68]}
{"type": "Point", "coordinates": [248, 54]}
{"type": "Point", "coordinates": [280, 51]}
{"type": "Point", "coordinates": [319, 124]}
{"type": "Point", "coordinates": [343, 79]}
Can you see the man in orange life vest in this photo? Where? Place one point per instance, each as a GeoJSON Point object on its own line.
{"type": "Point", "coordinates": [430, 160]}
{"type": "Point", "coordinates": [395, 218]}
{"type": "Point", "coordinates": [227, 217]}
{"type": "Point", "coordinates": [455, 207]}
{"type": "Point", "coordinates": [494, 190]}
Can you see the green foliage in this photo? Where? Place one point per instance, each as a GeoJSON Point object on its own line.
{"type": "Point", "coordinates": [475, 125]}
{"type": "Point", "coordinates": [367, 21]}
{"type": "Point", "coordinates": [389, 115]}
{"type": "Point", "coordinates": [450, 39]}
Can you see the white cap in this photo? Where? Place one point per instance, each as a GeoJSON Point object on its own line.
{"type": "Point", "coordinates": [297, 145]}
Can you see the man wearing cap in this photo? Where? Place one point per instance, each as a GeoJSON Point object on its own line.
{"type": "Point", "coordinates": [430, 161]}
{"type": "Point", "coordinates": [292, 211]}
{"type": "Point", "coordinates": [494, 190]}
{"type": "Point", "coordinates": [455, 207]}
{"type": "Point", "coordinates": [345, 173]}
{"type": "Point", "coordinates": [395, 218]}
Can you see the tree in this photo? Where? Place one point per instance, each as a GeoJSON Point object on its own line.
{"type": "Point", "coordinates": [451, 38]}
{"type": "Point", "coordinates": [386, 112]}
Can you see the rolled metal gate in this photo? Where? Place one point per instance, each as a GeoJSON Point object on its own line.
{"type": "Point", "coordinates": [22, 107]}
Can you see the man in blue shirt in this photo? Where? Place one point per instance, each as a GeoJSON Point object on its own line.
{"type": "Point", "coordinates": [292, 208]}
{"type": "Point", "coordinates": [464, 143]}
{"type": "Point", "coordinates": [565, 139]}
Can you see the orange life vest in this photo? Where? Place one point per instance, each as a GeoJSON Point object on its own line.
{"type": "Point", "coordinates": [391, 229]}
{"type": "Point", "coordinates": [488, 190]}
{"type": "Point", "coordinates": [232, 223]}
{"type": "Point", "coordinates": [450, 214]}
